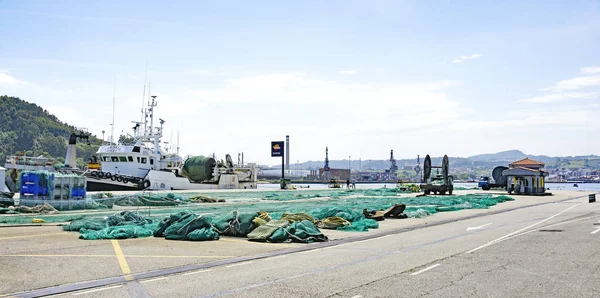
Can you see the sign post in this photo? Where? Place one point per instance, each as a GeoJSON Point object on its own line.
{"type": "Point", "coordinates": [277, 150]}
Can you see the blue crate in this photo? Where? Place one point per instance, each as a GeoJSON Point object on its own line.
{"type": "Point", "coordinates": [78, 192]}
{"type": "Point", "coordinates": [30, 178]}
{"type": "Point", "coordinates": [33, 189]}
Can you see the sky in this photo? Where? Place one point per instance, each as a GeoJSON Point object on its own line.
{"type": "Point", "coordinates": [361, 77]}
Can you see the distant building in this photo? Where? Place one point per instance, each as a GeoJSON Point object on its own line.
{"type": "Point", "coordinates": [338, 174]}
{"type": "Point", "coordinates": [525, 177]}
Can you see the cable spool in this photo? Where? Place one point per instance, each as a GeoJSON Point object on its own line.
{"type": "Point", "coordinates": [445, 169]}
{"type": "Point", "coordinates": [427, 168]}
{"type": "Point", "coordinates": [497, 175]}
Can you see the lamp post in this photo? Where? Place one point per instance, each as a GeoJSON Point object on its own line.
{"type": "Point", "coordinates": [103, 137]}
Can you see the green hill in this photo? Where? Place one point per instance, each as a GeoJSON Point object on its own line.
{"type": "Point", "coordinates": [27, 127]}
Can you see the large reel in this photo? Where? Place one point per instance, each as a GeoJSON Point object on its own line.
{"type": "Point", "coordinates": [426, 168]}
{"type": "Point", "coordinates": [497, 175]}
{"type": "Point", "coordinates": [445, 168]}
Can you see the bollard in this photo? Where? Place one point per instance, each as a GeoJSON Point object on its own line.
{"type": "Point", "coordinates": [592, 198]}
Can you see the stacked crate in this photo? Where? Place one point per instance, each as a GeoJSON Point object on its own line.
{"type": "Point", "coordinates": [62, 191]}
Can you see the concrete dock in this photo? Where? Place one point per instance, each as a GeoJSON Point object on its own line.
{"type": "Point", "coordinates": [533, 246]}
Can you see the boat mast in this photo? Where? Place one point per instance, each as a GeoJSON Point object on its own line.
{"type": "Point", "coordinates": [144, 97]}
{"type": "Point", "coordinates": [146, 115]}
{"type": "Point", "coordinates": [112, 133]}
{"type": "Point", "coordinates": [156, 135]}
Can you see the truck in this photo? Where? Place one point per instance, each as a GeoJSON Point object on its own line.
{"type": "Point", "coordinates": [497, 179]}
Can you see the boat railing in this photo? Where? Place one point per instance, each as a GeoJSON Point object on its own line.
{"type": "Point", "coordinates": [30, 161]}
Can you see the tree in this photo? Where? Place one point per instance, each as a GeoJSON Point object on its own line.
{"type": "Point", "coordinates": [27, 127]}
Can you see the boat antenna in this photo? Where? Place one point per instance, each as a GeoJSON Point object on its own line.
{"type": "Point", "coordinates": [112, 133]}
{"type": "Point", "coordinates": [177, 139]}
{"type": "Point", "coordinates": [146, 115]}
{"type": "Point", "coordinates": [144, 94]}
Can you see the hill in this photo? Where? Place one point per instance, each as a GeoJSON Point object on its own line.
{"type": "Point", "coordinates": [27, 127]}
{"type": "Point", "coordinates": [509, 156]}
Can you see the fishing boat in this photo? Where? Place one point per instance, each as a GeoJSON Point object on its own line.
{"type": "Point", "coordinates": [143, 164]}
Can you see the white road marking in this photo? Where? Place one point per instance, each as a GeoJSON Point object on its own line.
{"type": "Point", "coordinates": [239, 264]}
{"type": "Point", "coordinates": [196, 272]}
{"type": "Point", "coordinates": [97, 290]}
{"type": "Point", "coordinates": [595, 231]}
{"type": "Point", "coordinates": [426, 269]}
{"type": "Point", "coordinates": [154, 279]}
{"type": "Point", "coordinates": [521, 230]}
{"type": "Point", "coordinates": [357, 296]}
{"type": "Point", "coordinates": [550, 226]}
{"type": "Point", "coordinates": [478, 228]}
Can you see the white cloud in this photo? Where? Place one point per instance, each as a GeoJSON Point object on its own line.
{"type": "Point", "coordinates": [299, 88]}
{"type": "Point", "coordinates": [591, 70]}
{"type": "Point", "coordinates": [7, 79]}
{"type": "Point", "coordinates": [201, 72]}
{"type": "Point", "coordinates": [463, 58]}
{"type": "Point", "coordinates": [575, 83]}
{"type": "Point", "coordinates": [348, 72]}
{"type": "Point", "coordinates": [267, 106]}
{"type": "Point", "coordinates": [555, 97]}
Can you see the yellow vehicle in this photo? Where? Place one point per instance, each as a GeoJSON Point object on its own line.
{"type": "Point", "coordinates": [335, 183]}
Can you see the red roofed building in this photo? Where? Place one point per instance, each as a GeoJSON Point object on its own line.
{"type": "Point", "coordinates": [527, 163]}
{"type": "Point", "coordinates": [525, 177]}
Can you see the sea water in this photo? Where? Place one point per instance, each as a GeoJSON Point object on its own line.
{"type": "Point", "coordinates": [551, 186]}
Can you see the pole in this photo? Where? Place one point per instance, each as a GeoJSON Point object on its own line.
{"type": "Point", "coordinates": [283, 169]}
{"type": "Point", "coordinates": [112, 133]}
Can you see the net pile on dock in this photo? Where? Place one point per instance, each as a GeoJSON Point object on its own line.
{"type": "Point", "coordinates": [124, 225]}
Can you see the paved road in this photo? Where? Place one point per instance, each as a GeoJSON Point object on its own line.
{"type": "Point", "coordinates": [544, 251]}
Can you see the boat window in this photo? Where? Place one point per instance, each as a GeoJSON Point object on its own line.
{"type": "Point", "coordinates": [130, 158]}
{"type": "Point", "coordinates": [122, 159]}
{"type": "Point", "coordinates": [143, 160]}
{"type": "Point", "coordinates": [151, 161]}
{"type": "Point", "coordinates": [138, 159]}
{"type": "Point", "coordinates": [106, 158]}
{"type": "Point", "coordinates": [114, 159]}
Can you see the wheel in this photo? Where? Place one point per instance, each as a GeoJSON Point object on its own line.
{"type": "Point", "coordinates": [125, 180]}
{"type": "Point", "coordinates": [107, 175]}
{"type": "Point", "coordinates": [94, 173]}
{"type": "Point", "coordinates": [486, 187]}
{"type": "Point", "coordinates": [443, 192]}
{"type": "Point", "coordinates": [450, 191]}
{"type": "Point", "coordinates": [146, 184]}
{"type": "Point", "coordinates": [427, 192]}
{"type": "Point", "coordinates": [100, 174]}
{"type": "Point", "coordinates": [113, 177]}
{"type": "Point", "coordinates": [119, 178]}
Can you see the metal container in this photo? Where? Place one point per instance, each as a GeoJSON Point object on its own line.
{"type": "Point", "coordinates": [199, 168]}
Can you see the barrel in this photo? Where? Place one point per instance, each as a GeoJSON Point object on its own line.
{"type": "Point", "coordinates": [592, 198]}
{"type": "Point", "coordinates": [199, 168]}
